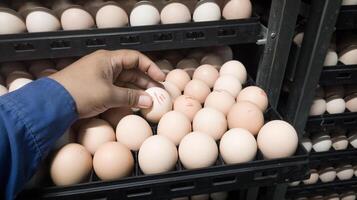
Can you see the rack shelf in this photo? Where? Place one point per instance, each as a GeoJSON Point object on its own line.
{"type": "Point", "coordinates": [347, 19]}
{"type": "Point", "coordinates": [339, 75]}
{"type": "Point", "coordinates": [29, 46]}
{"type": "Point", "coordinates": [332, 156]}
{"type": "Point", "coordinates": [328, 121]}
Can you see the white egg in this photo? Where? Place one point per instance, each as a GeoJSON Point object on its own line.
{"type": "Point", "coordinates": [295, 183]}
{"type": "Point", "coordinates": [318, 107]}
{"type": "Point", "coordinates": [42, 21]}
{"type": "Point", "coordinates": [331, 58]}
{"type": "Point", "coordinates": [321, 142]}
{"type": "Point", "coordinates": [11, 22]}
{"type": "Point", "coordinates": [327, 175]}
{"type": "Point", "coordinates": [18, 83]}
{"type": "Point", "coordinates": [306, 143]}
{"type": "Point", "coordinates": [110, 16]}
{"type": "Point", "coordinates": [143, 14]}
{"type": "Point", "coordinates": [206, 11]}
{"type": "Point", "coordinates": [314, 177]}
{"type": "Point", "coordinates": [335, 106]}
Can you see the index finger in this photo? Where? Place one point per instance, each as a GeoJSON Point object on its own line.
{"type": "Point", "coordinates": [130, 59]}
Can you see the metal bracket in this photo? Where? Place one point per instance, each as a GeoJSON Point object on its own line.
{"type": "Point", "coordinates": [263, 33]}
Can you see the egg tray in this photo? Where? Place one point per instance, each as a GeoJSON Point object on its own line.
{"type": "Point", "coordinates": [322, 188]}
{"type": "Point", "coordinates": [339, 75]}
{"type": "Point", "coordinates": [333, 157]}
{"type": "Point", "coordinates": [184, 182]}
{"type": "Point", "coordinates": [347, 19]}
{"type": "Point", "coordinates": [346, 120]}
{"type": "Point", "coordinates": [59, 44]}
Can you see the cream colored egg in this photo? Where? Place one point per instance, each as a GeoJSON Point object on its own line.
{"type": "Point", "coordinates": [178, 77]}
{"type": "Point", "coordinates": [237, 9]}
{"type": "Point", "coordinates": [298, 39]}
{"type": "Point", "coordinates": [111, 16]}
{"type": "Point", "coordinates": [114, 115]}
{"type": "Point", "coordinates": [352, 138]}
{"type": "Point", "coordinates": [351, 105]}
{"type": "Point", "coordinates": [206, 11]}
{"type": "Point", "coordinates": [162, 104]}
{"type": "Point", "coordinates": [238, 146]}
{"type": "Point", "coordinates": [157, 155]}
{"type": "Point", "coordinates": [314, 177]}
{"type": "Point", "coordinates": [187, 105]}
{"type": "Point", "coordinates": [72, 164]}
{"type": "Point", "coordinates": [95, 133]}
{"type": "Point", "coordinates": [18, 83]}
{"type": "Point", "coordinates": [255, 95]}
{"type": "Point", "coordinates": [335, 106]}
{"type": "Point", "coordinates": [321, 142]}
{"type": "Point", "coordinates": [277, 139]}
{"type": "Point", "coordinates": [220, 100]}
{"type": "Point", "coordinates": [42, 21]}
{"type": "Point", "coordinates": [200, 197]}
{"type": "Point", "coordinates": [76, 18]}
{"type": "Point", "coordinates": [197, 150]}
{"type": "Point", "coordinates": [318, 107]}
{"type": "Point", "coordinates": [174, 125]}
{"type": "Point", "coordinates": [333, 196]}
{"type": "Point", "coordinates": [212, 59]}
{"type": "Point", "coordinates": [3, 90]}
{"type": "Point", "coordinates": [245, 115]}
{"type": "Point", "coordinates": [234, 68]}
{"type": "Point", "coordinates": [219, 195]}
{"type": "Point", "coordinates": [16, 75]}
{"type": "Point", "coordinates": [172, 89]}
{"type": "Point", "coordinates": [11, 23]}
{"type": "Point", "coordinates": [229, 84]}
{"type": "Point", "coordinates": [349, 2]}
{"type": "Point", "coordinates": [349, 57]}
{"type": "Point", "coordinates": [327, 175]}
{"type": "Point", "coordinates": [351, 195]}
{"type": "Point", "coordinates": [175, 13]}
{"type": "Point", "coordinates": [211, 122]}
{"type": "Point", "coordinates": [345, 172]}
{"type": "Point", "coordinates": [206, 73]}
{"type": "Point", "coordinates": [197, 89]}
{"type": "Point", "coordinates": [113, 161]}
{"type": "Point", "coordinates": [331, 58]}
{"type": "Point", "coordinates": [144, 13]}
{"type": "Point", "coordinates": [132, 130]}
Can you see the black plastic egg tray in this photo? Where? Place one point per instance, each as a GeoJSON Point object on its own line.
{"type": "Point", "coordinates": [183, 182]}
{"type": "Point", "coordinates": [339, 75]}
{"type": "Point", "coordinates": [60, 44]}
{"type": "Point", "coordinates": [347, 19]}
{"type": "Point", "coordinates": [330, 121]}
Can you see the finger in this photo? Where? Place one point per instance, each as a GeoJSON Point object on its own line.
{"type": "Point", "coordinates": [137, 78]}
{"type": "Point", "coordinates": [130, 98]}
{"type": "Point", "coordinates": [130, 59]}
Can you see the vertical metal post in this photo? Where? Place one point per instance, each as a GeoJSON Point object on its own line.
{"type": "Point", "coordinates": [282, 20]}
{"type": "Point", "coordinates": [317, 36]}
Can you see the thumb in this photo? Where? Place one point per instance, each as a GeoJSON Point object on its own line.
{"type": "Point", "coordinates": [130, 98]}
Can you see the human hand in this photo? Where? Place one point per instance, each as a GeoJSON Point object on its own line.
{"type": "Point", "coordinates": [95, 81]}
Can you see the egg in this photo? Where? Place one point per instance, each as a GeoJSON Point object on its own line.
{"type": "Point", "coordinates": [174, 125]}
{"type": "Point", "coordinates": [351, 195]}
{"type": "Point", "coordinates": [229, 84]}
{"type": "Point", "coordinates": [178, 77]}
{"type": "Point", "coordinates": [345, 172]}
{"type": "Point", "coordinates": [162, 104]}
{"type": "Point", "coordinates": [234, 68]}
{"type": "Point", "coordinates": [132, 130]}
{"type": "Point", "coordinates": [317, 197]}
{"type": "Point", "coordinates": [187, 105]}
{"type": "Point", "coordinates": [197, 89]}
{"type": "Point", "coordinates": [237, 9]}
{"type": "Point", "coordinates": [225, 52]}
{"type": "Point", "coordinates": [172, 89]}
{"type": "Point", "coordinates": [9, 67]}
{"type": "Point", "coordinates": [331, 58]}
{"type": "Point", "coordinates": [314, 177]}
{"type": "Point", "coordinates": [212, 59]}
{"type": "Point", "coordinates": [198, 150]}
{"type": "Point", "coordinates": [245, 115]}
{"type": "Point", "coordinates": [277, 139]}
{"type": "Point", "coordinates": [95, 133]}
{"type": "Point", "coordinates": [335, 106]}
{"type": "Point", "coordinates": [111, 15]}
{"type": "Point", "coordinates": [189, 65]}
{"type": "Point", "coordinates": [113, 161]}
{"type": "Point", "coordinates": [76, 18]}
{"type": "Point", "coordinates": [3, 90]}
{"type": "Point", "coordinates": [350, 98]}
{"type": "Point", "coordinates": [219, 195]}
{"type": "Point", "coordinates": [333, 196]}
{"type": "Point", "coordinates": [144, 13]}
{"type": "Point", "coordinates": [321, 142]}
{"type": "Point", "coordinates": [220, 100]}
{"type": "Point", "coordinates": [72, 164]}
{"type": "Point", "coordinates": [18, 83]}
{"type": "Point", "coordinates": [352, 138]}
{"type": "Point", "coordinates": [11, 22]}
{"type": "Point", "coordinates": [175, 13]}
{"type": "Point", "coordinates": [339, 140]}
{"type": "Point", "coordinates": [349, 2]}
{"type": "Point", "coordinates": [16, 75]}
{"type": "Point", "coordinates": [211, 122]}
{"type": "Point", "coordinates": [206, 73]}
{"type": "Point", "coordinates": [348, 56]}
{"type": "Point", "coordinates": [41, 19]}
{"type": "Point", "coordinates": [157, 155]}
{"type": "Point", "coordinates": [255, 95]}
{"type": "Point", "coordinates": [295, 183]}
{"type": "Point", "coordinates": [327, 175]}
{"type": "Point", "coordinates": [318, 107]}
{"type": "Point", "coordinates": [298, 38]}
{"type": "Point", "coordinates": [206, 11]}
{"type": "Point", "coordinates": [238, 146]}
{"type": "Point", "coordinates": [306, 143]}
{"type": "Point", "coordinates": [200, 197]}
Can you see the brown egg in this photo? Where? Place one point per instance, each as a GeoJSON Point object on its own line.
{"type": "Point", "coordinates": [178, 77]}
{"type": "Point", "coordinates": [76, 18]}
{"type": "Point", "coordinates": [234, 68]}
{"type": "Point", "coordinates": [229, 84]}
{"type": "Point", "coordinates": [237, 9]}
{"type": "Point", "coordinates": [211, 122]}
{"type": "Point", "coordinates": [187, 105]}
{"type": "Point", "coordinates": [174, 125]}
{"type": "Point", "coordinates": [175, 13]}
{"type": "Point", "coordinates": [212, 59]}
{"type": "Point", "coordinates": [206, 73]}
{"type": "Point", "coordinates": [111, 15]}
{"type": "Point", "coordinates": [113, 161]}
{"type": "Point", "coordinates": [246, 115]}
{"type": "Point", "coordinates": [95, 133]}
{"type": "Point", "coordinates": [162, 103]}
{"type": "Point", "coordinates": [114, 115]}
{"type": "Point", "coordinates": [197, 89]}
{"type": "Point", "coordinates": [71, 165]}
{"type": "Point", "coordinates": [220, 100]}
{"type": "Point", "coordinates": [254, 95]}
{"type": "Point", "coordinates": [132, 131]}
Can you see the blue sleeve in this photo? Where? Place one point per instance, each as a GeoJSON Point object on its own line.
{"type": "Point", "coordinates": [31, 120]}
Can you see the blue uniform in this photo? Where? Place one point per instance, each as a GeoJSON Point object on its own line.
{"type": "Point", "coordinates": [31, 120]}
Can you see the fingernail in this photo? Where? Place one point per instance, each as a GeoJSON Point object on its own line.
{"type": "Point", "coordinates": [145, 101]}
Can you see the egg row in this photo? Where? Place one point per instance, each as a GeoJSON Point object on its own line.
{"type": "Point", "coordinates": [334, 100]}
{"type": "Point", "coordinates": [349, 195]}
{"type": "Point", "coordinates": [329, 174]}
{"type": "Point", "coordinates": [68, 15]}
